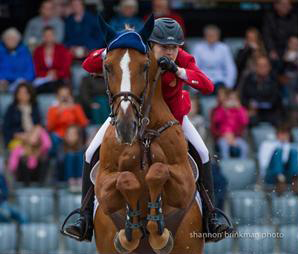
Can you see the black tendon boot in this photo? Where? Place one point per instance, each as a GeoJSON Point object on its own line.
{"type": "Point", "coordinates": [82, 229]}
{"type": "Point", "coordinates": [215, 230]}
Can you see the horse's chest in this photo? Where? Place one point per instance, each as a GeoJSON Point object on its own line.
{"type": "Point", "coordinates": [130, 158]}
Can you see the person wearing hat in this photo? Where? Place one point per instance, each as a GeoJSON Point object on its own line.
{"type": "Point", "coordinates": [179, 68]}
{"type": "Point", "coordinates": [127, 16]}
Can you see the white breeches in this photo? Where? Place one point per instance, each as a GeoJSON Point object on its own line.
{"type": "Point", "coordinates": [189, 130]}
{"type": "Point", "coordinates": [97, 140]}
{"type": "Point", "coordinates": [193, 136]}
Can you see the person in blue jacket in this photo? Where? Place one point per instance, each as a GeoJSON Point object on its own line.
{"type": "Point", "coordinates": [127, 16]}
{"type": "Point", "coordinates": [82, 32]}
{"type": "Point", "coordinates": [16, 64]}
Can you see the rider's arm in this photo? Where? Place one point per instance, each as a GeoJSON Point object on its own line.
{"type": "Point", "coordinates": [93, 63]}
{"type": "Point", "coordinates": [194, 77]}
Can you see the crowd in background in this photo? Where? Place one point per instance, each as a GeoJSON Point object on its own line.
{"type": "Point", "coordinates": [257, 85]}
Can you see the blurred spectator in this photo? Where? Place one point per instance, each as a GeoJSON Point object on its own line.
{"type": "Point", "coordinates": [215, 58]}
{"type": "Point", "coordinates": [253, 47]}
{"type": "Point", "coordinates": [82, 31]}
{"type": "Point", "coordinates": [21, 115]}
{"type": "Point", "coordinates": [63, 115]}
{"type": "Point", "coordinates": [278, 26]}
{"type": "Point", "coordinates": [94, 99]}
{"type": "Point", "coordinates": [34, 29]}
{"type": "Point", "coordinates": [16, 63]}
{"type": "Point", "coordinates": [62, 8]}
{"type": "Point", "coordinates": [290, 57]}
{"type": "Point", "coordinates": [52, 63]}
{"type": "Point", "coordinates": [73, 157]}
{"type": "Point", "coordinates": [28, 155]}
{"type": "Point", "coordinates": [279, 161]}
{"type": "Point", "coordinates": [27, 141]}
{"type": "Point", "coordinates": [8, 213]}
{"type": "Point", "coordinates": [127, 16]}
{"type": "Point", "coordinates": [260, 93]}
{"type": "Point", "coordinates": [228, 123]}
{"type": "Point", "coordinates": [161, 9]}
{"type": "Point", "coordinates": [197, 120]}
{"type": "Point", "coordinates": [289, 78]}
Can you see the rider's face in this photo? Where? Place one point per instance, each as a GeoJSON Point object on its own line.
{"type": "Point", "coordinates": [170, 51]}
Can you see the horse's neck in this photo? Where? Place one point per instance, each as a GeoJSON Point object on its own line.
{"type": "Point", "coordinates": [160, 112]}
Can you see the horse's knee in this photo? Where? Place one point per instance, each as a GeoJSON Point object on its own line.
{"type": "Point", "coordinates": [127, 181]}
{"type": "Point", "coordinates": [158, 173]}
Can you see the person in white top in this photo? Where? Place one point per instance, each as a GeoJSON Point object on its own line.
{"type": "Point", "coordinates": [278, 161]}
{"type": "Point", "coordinates": [215, 58]}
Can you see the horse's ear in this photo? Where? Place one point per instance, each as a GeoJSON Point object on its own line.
{"type": "Point", "coordinates": [109, 33]}
{"type": "Point", "coordinates": [146, 31]}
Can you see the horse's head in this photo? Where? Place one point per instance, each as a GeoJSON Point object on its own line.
{"type": "Point", "coordinates": [126, 70]}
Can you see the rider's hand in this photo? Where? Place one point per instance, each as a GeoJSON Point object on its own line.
{"type": "Point", "coordinates": [167, 64]}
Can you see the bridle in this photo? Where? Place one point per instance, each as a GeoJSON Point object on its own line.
{"type": "Point", "coordinates": [137, 102]}
{"type": "Point", "coordinates": [142, 107]}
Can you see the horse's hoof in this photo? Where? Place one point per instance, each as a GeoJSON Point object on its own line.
{"type": "Point", "coordinates": [168, 247]}
{"type": "Point", "coordinates": [118, 246]}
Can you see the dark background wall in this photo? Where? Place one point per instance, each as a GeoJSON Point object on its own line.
{"type": "Point", "coordinates": [229, 17]}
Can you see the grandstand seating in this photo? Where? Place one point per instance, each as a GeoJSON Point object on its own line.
{"type": "Point", "coordinates": [241, 174]}
{"type": "Point", "coordinates": [8, 238]}
{"type": "Point", "coordinates": [36, 203]}
{"type": "Point", "coordinates": [44, 102]}
{"type": "Point", "coordinates": [5, 100]}
{"type": "Point", "coordinates": [67, 202]}
{"type": "Point", "coordinates": [76, 247]}
{"type": "Point", "coordinates": [285, 209]}
{"type": "Point", "coordinates": [248, 207]}
{"type": "Point", "coordinates": [252, 241]}
{"type": "Point", "coordinates": [289, 241]}
{"type": "Point", "coordinates": [39, 238]}
{"type": "Point", "coordinates": [261, 133]}
{"type": "Point", "coordinates": [224, 246]}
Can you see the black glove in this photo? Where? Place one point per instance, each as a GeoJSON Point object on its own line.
{"type": "Point", "coordinates": [167, 64]}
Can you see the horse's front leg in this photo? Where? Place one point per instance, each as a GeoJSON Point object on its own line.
{"type": "Point", "coordinates": [160, 238]}
{"type": "Point", "coordinates": [128, 239]}
{"type": "Point", "coordinates": [177, 186]}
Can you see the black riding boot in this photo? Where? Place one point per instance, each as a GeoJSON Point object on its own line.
{"type": "Point", "coordinates": [82, 229]}
{"type": "Point", "coordinates": [210, 222]}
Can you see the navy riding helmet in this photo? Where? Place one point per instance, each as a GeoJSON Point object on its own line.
{"type": "Point", "coordinates": [167, 31]}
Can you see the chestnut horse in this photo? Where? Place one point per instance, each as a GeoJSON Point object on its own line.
{"type": "Point", "coordinates": [146, 203]}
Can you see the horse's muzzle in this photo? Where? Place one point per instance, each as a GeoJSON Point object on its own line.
{"type": "Point", "coordinates": [127, 130]}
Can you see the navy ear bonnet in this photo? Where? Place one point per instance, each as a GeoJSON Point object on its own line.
{"type": "Point", "coordinates": [128, 39]}
{"type": "Point", "coordinates": [137, 40]}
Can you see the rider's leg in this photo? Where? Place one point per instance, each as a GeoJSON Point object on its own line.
{"type": "Point", "coordinates": [200, 154]}
{"type": "Point", "coordinates": [83, 228]}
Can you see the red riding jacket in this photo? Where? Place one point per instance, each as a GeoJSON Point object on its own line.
{"type": "Point", "coordinates": [176, 98]}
